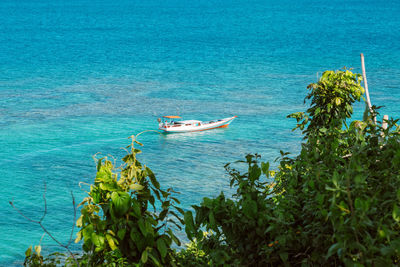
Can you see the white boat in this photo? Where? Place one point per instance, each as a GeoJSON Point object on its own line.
{"type": "Point", "coordinates": [169, 124]}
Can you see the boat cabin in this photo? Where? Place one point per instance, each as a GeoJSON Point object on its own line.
{"type": "Point", "coordinates": [170, 121]}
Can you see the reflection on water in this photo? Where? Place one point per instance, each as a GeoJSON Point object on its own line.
{"type": "Point", "coordinates": [210, 134]}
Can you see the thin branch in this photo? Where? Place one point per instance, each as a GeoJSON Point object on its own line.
{"type": "Point", "coordinates": [45, 202]}
{"type": "Point", "coordinates": [52, 237]}
{"type": "Point", "coordinates": [73, 224]}
{"type": "Point", "coordinates": [20, 212]}
{"type": "Point", "coordinates": [44, 228]}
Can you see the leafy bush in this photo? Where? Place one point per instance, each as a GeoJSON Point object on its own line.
{"type": "Point", "coordinates": [241, 229]}
{"type": "Point", "coordinates": [33, 257]}
{"type": "Point", "coordinates": [116, 221]}
{"type": "Point", "coordinates": [192, 255]}
{"type": "Point", "coordinates": [336, 203]}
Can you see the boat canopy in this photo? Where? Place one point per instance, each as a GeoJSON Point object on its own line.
{"type": "Point", "coordinates": [172, 117]}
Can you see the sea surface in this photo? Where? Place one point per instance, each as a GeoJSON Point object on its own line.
{"type": "Point", "coordinates": [78, 77]}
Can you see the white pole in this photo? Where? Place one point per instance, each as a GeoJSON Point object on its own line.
{"type": "Point", "coordinates": [384, 122]}
{"type": "Point", "coordinates": [366, 86]}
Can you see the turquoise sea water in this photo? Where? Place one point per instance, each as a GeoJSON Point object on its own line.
{"type": "Point", "coordinates": [79, 77]}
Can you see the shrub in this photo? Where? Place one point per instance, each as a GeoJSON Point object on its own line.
{"type": "Point", "coordinates": [192, 255]}
{"type": "Point", "coordinates": [336, 203]}
{"type": "Point", "coordinates": [117, 221]}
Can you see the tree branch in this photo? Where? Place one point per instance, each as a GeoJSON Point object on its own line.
{"type": "Point", "coordinates": [44, 228]}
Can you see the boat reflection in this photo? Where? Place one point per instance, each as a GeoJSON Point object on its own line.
{"type": "Point", "coordinates": [193, 135]}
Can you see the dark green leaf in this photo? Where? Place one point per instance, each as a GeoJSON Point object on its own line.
{"type": "Point", "coordinates": [189, 224]}
{"type": "Point", "coordinates": [121, 203]}
{"type": "Point", "coordinates": [121, 233]}
{"type": "Point", "coordinates": [250, 208]}
{"type": "Point", "coordinates": [153, 179]}
{"type": "Point", "coordinates": [162, 247]}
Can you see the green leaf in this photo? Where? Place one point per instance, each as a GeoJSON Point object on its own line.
{"type": "Point", "coordinates": [396, 213]}
{"type": "Point", "coordinates": [212, 220]}
{"type": "Point", "coordinates": [78, 236]}
{"type": "Point", "coordinates": [162, 247]}
{"type": "Point", "coordinates": [333, 249]}
{"type": "Point", "coordinates": [189, 224]}
{"type": "Point", "coordinates": [137, 239]}
{"type": "Point", "coordinates": [121, 233]}
{"type": "Point", "coordinates": [387, 250]}
{"type": "Point", "coordinates": [28, 252]}
{"type": "Point", "coordinates": [79, 221]}
{"type": "Point", "coordinates": [98, 240]}
{"type": "Point", "coordinates": [173, 237]}
{"type": "Point", "coordinates": [149, 228]}
{"type": "Point", "coordinates": [136, 208]}
{"type": "Point", "coordinates": [254, 172]}
{"type": "Point", "coordinates": [162, 215]}
{"type": "Point", "coordinates": [176, 200]}
{"type": "Point", "coordinates": [265, 168]}
{"type": "Point", "coordinates": [250, 208]}
{"type": "Point", "coordinates": [177, 217]}
{"type": "Point", "coordinates": [181, 211]}
{"type": "Point", "coordinates": [144, 256]}
{"type": "Point", "coordinates": [166, 204]}
{"type": "Point", "coordinates": [153, 179]}
{"type": "Point", "coordinates": [112, 186]}
{"type": "Point", "coordinates": [207, 202]}
{"type": "Point", "coordinates": [362, 204]}
{"type": "Point", "coordinates": [121, 203]}
{"type": "Point", "coordinates": [87, 231]}
{"type": "Point", "coordinates": [136, 187]}
{"type": "Point", "coordinates": [142, 226]}
{"type": "Point", "coordinates": [320, 198]}
{"type": "Point", "coordinates": [343, 207]}
{"type": "Point", "coordinates": [358, 203]}
{"type": "Point", "coordinates": [154, 258]}
{"type": "Point", "coordinates": [284, 256]}
{"type": "Point", "coordinates": [111, 242]}
{"type": "Point", "coordinates": [359, 179]}
{"type": "Point", "coordinates": [104, 174]}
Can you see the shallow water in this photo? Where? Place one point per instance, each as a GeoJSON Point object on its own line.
{"type": "Point", "coordinates": [79, 77]}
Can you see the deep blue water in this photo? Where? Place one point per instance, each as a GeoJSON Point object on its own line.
{"type": "Point", "coordinates": [79, 77]}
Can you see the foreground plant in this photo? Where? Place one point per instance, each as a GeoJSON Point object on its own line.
{"type": "Point", "coordinates": [238, 226]}
{"type": "Point", "coordinates": [336, 203]}
{"type": "Point", "coordinates": [117, 221]}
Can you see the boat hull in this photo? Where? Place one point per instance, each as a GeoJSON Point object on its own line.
{"type": "Point", "coordinates": [224, 123]}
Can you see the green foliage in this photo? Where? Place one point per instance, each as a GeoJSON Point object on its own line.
{"type": "Point", "coordinates": [117, 221]}
{"type": "Point", "coordinates": [336, 203]}
{"type": "Point", "coordinates": [192, 255]}
{"type": "Point", "coordinates": [331, 102]}
{"type": "Point", "coordinates": [346, 190]}
{"type": "Point", "coordinates": [33, 257]}
{"type": "Point", "coordinates": [242, 230]}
